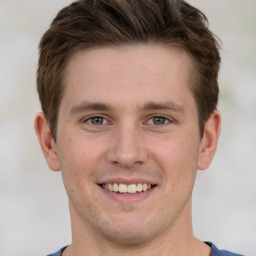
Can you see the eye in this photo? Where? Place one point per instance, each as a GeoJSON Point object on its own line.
{"type": "Point", "coordinates": [159, 120]}
{"type": "Point", "coordinates": [96, 120]}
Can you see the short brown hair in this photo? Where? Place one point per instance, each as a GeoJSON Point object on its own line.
{"type": "Point", "coordinates": [92, 23]}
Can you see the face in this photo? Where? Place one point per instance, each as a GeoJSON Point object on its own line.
{"type": "Point", "coordinates": [128, 141]}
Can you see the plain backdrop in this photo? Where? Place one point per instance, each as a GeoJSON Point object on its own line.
{"type": "Point", "coordinates": [34, 218]}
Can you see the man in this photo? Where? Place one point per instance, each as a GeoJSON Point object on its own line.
{"type": "Point", "coordinates": [129, 92]}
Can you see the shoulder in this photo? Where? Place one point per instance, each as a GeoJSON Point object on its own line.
{"type": "Point", "coordinates": [58, 253]}
{"type": "Point", "coordinates": [217, 252]}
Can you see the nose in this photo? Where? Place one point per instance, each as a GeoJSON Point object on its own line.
{"type": "Point", "coordinates": [127, 149]}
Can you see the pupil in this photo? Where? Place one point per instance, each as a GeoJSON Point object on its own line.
{"type": "Point", "coordinates": [97, 120]}
{"type": "Point", "coordinates": [159, 120]}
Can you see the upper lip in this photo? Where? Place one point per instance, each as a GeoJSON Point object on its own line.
{"type": "Point", "coordinates": [127, 181]}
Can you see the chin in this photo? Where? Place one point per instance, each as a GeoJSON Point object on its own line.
{"type": "Point", "coordinates": [128, 231]}
{"type": "Point", "coordinates": [128, 237]}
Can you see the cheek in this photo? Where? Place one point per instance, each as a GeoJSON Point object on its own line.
{"type": "Point", "coordinates": [176, 150]}
{"type": "Point", "coordinates": [77, 167]}
{"type": "Point", "coordinates": [79, 152]}
{"type": "Point", "coordinates": [177, 157]}
{"type": "Point", "coordinates": [78, 160]}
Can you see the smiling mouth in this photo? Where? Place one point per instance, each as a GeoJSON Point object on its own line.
{"type": "Point", "coordinates": [127, 189]}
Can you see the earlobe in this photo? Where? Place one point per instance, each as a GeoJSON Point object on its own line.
{"type": "Point", "coordinates": [46, 141]}
{"type": "Point", "coordinates": [209, 141]}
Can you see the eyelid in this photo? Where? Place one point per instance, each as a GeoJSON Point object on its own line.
{"type": "Point", "coordinates": [169, 119]}
{"type": "Point", "coordinates": [86, 119]}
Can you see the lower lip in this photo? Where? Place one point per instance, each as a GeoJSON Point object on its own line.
{"type": "Point", "coordinates": [126, 197]}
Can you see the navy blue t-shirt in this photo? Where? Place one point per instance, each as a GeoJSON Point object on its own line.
{"type": "Point", "coordinates": [215, 251]}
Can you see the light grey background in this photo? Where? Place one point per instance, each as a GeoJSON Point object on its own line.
{"type": "Point", "coordinates": [34, 218]}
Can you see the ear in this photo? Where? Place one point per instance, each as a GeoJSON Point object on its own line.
{"type": "Point", "coordinates": [46, 141]}
{"type": "Point", "coordinates": [209, 141]}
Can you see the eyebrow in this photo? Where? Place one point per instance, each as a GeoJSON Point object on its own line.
{"type": "Point", "coordinates": [166, 105]}
{"type": "Point", "coordinates": [151, 105]}
{"type": "Point", "coordinates": [85, 105]}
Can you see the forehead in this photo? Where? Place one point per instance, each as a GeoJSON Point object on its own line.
{"type": "Point", "coordinates": [137, 72]}
{"type": "Point", "coordinates": [151, 56]}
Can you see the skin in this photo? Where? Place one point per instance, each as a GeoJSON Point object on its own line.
{"type": "Point", "coordinates": [108, 131]}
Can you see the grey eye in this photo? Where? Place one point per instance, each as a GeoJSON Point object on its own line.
{"type": "Point", "coordinates": [159, 120]}
{"type": "Point", "coordinates": [97, 120]}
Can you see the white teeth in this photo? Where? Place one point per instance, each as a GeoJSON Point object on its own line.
{"type": "Point", "coordinates": [139, 187]}
{"type": "Point", "coordinates": [115, 187]}
{"type": "Point", "coordinates": [132, 188]}
{"type": "Point", "coordinates": [123, 188]}
{"type": "Point", "coordinates": [110, 187]}
{"type": "Point", "coordinates": [144, 187]}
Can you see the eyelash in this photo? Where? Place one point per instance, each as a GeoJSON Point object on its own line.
{"type": "Point", "coordinates": [89, 120]}
{"type": "Point", "coordinates": [105, 121]}
{"type": "Point", "coordinates": [166, 120]}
